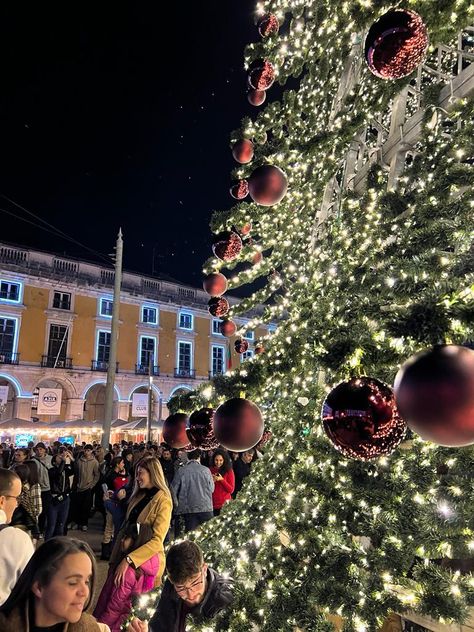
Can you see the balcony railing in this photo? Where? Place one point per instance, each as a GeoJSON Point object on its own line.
{"type": "Point", "coordinates": [51, 362]}
{"type": "Point", "coordinates": [214, 373]}
{"type": "Point", "coordinates": [7, 357]}
{"type": "Point", "coordinates": [101, 365]}
{"type": "Point", "coordinates": [142, 369]}
{"type": "Point", "coordinates": [184, 372]}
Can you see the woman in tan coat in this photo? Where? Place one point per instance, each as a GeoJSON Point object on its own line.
{"type": "Point", "coordinates": [151, 504]}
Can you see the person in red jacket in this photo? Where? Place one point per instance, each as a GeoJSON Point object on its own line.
{"type": "Point", "coordinates": [224, 479]}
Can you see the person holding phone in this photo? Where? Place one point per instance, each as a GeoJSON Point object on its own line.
{"type": "Point", "coordinates": [224, 480]}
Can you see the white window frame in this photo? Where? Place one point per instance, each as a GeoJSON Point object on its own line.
{"type": "Point", "coordinates": [216, 321]}
{"type": "Point", "coordinates": [20, 292]}
{"type": "Point", "coordinates": [17, 329]}
{"type": "Point", "coordinates": [62, 308]}
{"type": "Point", "coordinates": [187, 342]}
{"type": "Point", "coordinates": [185, 313]}
{"type": "Point", "coordinates": [155, 353]}
{"type": "Point", "coordinates": [249, 335]}
{"type": "Point", "coordinates": [246, 355]}
{"type": "Point", "coordinates": [224, 368]}
{"type": "Point", "coordinates": [109, 299]}
{"type": "Point", "coordinates": [155, 308]}
{"type": "Point", "coordinates": [98, 332]}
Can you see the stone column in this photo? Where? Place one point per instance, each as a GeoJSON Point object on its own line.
{"type": "Point", "coordinates": [75, 408]}
{"type": "Point", "coordinates": [22, 407]}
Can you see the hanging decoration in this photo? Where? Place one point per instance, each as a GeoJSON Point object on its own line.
{"type": "Point", "coordinates": [259, 348]}
{"type": "Point", "coordinates": [267, 185]}
{"type": "Point", "coordinates": [241, 345]}
{"type": "Point", "coordinates": [200, 429]}
{"type": "Point", "coordinates": [240, 190]}
{"type": "Point", "coordinates": [174, 431]}
{"type": "Point", "coordinates": [256, 97]}
{"type": "Point", "coordinates": [434, 391]}
{"type": "Point", "coordinates": [242, 151]}
{"type": "Point", "coordinates": [227, 246]}
{"type": "Point", "coordinates": [228, 328]}
{"type": "Point", "coordinates": [361, 419]}
{"type": "Point", "coordinates": [268, 25]}
{"type": "Point", "coordinates": [396, 44]}
{"type": "Point", "coordinates": [215, 284]}
{"type": "Point", "coordinates": [261, 74]}
{"type": "Point", "coordinates": [238, 424]}
{"type": "Point", "coordinates": [218, 306]}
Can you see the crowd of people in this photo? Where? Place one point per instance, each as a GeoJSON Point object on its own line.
{"type": "Point", "coordinates": [147, 494]}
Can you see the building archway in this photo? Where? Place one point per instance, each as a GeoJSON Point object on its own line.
{"type": "Point", "coordinates": [181, 389]}
{"type": "Point", "coordinates": [50, 383]}
{"type": "Point", "coordinates": [143, 388]}
{"type": "Point", "coordinates": [7, 408]}
{"type": "Point", "coordinates": [94, 403]}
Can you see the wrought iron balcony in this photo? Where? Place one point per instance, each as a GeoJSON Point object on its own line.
{"type": "Point", "coordinates": [214, 373]}
{"type": "Point", "coordinates": [101, 365]}
{"type": "Point", "coordinates": [142, 369]}
{"type": "Point", "coordinates": [185, 372]}
{"type": "Point", "coordinates": [51, 362]}
{"type": "Point", "coordinates": [7, 357]}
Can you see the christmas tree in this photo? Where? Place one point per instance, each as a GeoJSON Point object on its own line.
{"type": "Point", "coordinates": [368, 258]}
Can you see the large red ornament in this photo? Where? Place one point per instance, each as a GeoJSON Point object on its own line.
{"type": "Point", "coordinates": [267, 185]}
{"type": "Point", "coordinates": [361, 419]}
{"type": "Point", "coordinates": [238, 425]}
{"type": "Point", "coordinates": [241, 345]}
{"type": "Point", "coordinates": [245, 230]}
{"type": "Point", "coordinates": [240, 190]}
{"type": "Point", "coordinates": [174, 431]}
{"type": "Point", "coordinates": [215, 284]}
{"type": "Point", "coordinates": [200, 430]}
{"type": "Point", "coordinates": [434, 391]}
{"type": "Point", "coordinates": [396, 44]}
{"type": "Point", "coordinates": [218, 306]}
{"type": "Point", "coordinates": [242, 151]}
{"type": "Point", "coordinates": [268, 25]}
{"type": "Point", "coordinates": [228, 328]}
{"type": "Point", "coordinates": [227, 246]}
{"type": "Point", "coordinates": [261, 74]}
{"type": "Point", "coordinates": [256, 97]}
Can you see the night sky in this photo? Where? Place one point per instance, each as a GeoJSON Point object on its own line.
{"type": "Point", "coordinates": [119, 114]}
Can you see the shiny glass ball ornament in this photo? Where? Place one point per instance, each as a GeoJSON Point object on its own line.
{"type": "Point", "coordinates": [245, 230]}
{"type": "Point", "coordinates": [218, 306]}
{"type": "Point", "coordinates": [256, 97]}
{"type": "Point", "coordinates": [200, 429]}
{"type": "Point", "coordinates": [267, 185]}
{"type": "Point", "coordinates": [174, 431]}
{"type": "Point", "coordinates": [361, 419]}
{"type": "Point", "coordinates": [228, 328]}
{"type": "Point", "coordinates": [215, 284]}
{"type": "Point", "coordinates": [238, 424]}
{"type": "Point", "coordinates": [268, 25]}
{"type": "Point", "coordinates": [240, 190]}
{"type": "Point", "coordinates": [261, 74]}
{"type": "Point", "coordinates": [396, 44]}
{"type": "Point", "coordinates": [434, 391]}
{"type": "Point", "coordinates": [227, 246]}
{"type": "Point", "coordinates": [241, 345]}
{"type": "Point", "coordinates": [259, 348]}
{"type": "Point", "coordinates": [242, 151]}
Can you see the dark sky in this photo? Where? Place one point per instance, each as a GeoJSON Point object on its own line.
{"type": "Point", "coordinates": [120, 115]}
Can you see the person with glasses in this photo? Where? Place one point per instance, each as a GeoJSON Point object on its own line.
{"type": "Point", "coordinates": [192, 588]}
{"type": "Point", "coordinates": [16, 546]}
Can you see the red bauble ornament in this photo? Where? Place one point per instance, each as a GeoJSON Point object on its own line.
{"type": "Point", "coordinates": [434, 391]}
{"type": "Point", "coordinates": [267, 185]}
{"type": "Point", "coordinates": [174, 431]}
{"type": "Point", "coordinates": [215, 284]}
{"type": "Point", "coordinates": [228, 328]}
{"type": "Point", "coordinates": [242, 151]}
{"type": "Point", "coordinates": [245, 230]}
{"type": "Point", "coordinates": [257, 258]}
{"type": "Point", "coordinates": [268, 25]}
{"type": "Point", "coordinates": [259, 348]}
{"type": "Point", "coordinates": [256, 97]}
{"type": "Point", "coordinates": [218, 306]}
{"type": "Point", "coordinates": [200, 430]}
{"type": "Point", "coordinates": [396, 44]}
{"type": "Point", "coordinates": [227, 246]}
{"type": "Point", "coordinates": [361, 419]}
{"type": "Point", "coordinates": [241, 345]}
{"type": "Point", "coordinates": [238, 425]}
{"type": "Point", "coordinates": [261, 75]}
{"type": "Point", "coordinates": [240, 190]}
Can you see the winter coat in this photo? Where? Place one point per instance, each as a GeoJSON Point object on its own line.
{"type": "Point", "coordinates": [43, 466]}
{"type": "Point", "coordinates": [59, 479]}
{"type": "Point", "coordinates": [87, 473]}
{"type": "Point", "coordinates": [241, 470]}
{"type": "Point", "coordinates": [157, 514]}
{"type": "Point", "coordinates": [193, 486]}
{"type": "Point", "coordinates": [18, 621]}
{"type": "Point", "coordinates": [169, 612]}
{"type": "Point", "coordinates": [114, 603]}
{"type": "Point", "coordinates": [222, 489]}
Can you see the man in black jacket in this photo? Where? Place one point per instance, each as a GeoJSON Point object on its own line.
{"type": "Point", "coordinates": [192, 588]}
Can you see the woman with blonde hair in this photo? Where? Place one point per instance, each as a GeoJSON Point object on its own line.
{"type": "Point", "coordinates": [150, 504]}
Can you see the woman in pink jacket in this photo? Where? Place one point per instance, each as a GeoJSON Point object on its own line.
{"type": "Point", "coordinates": [115, 602]}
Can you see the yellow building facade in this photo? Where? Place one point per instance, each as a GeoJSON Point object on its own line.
{"type": "Point", "coordinates": [55, 323]}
